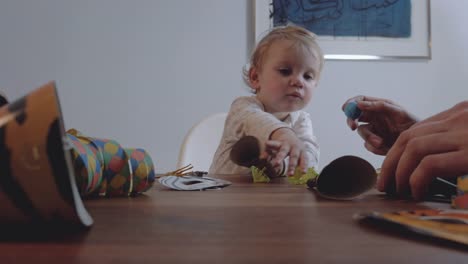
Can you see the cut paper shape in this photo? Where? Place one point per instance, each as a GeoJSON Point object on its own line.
{"type": "Point", "coordinates": [192, 183]}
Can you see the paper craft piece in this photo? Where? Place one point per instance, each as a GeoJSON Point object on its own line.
{"type": "Point", "coordinates": [344, 178]}
{"type": "Point", "coordinates": [103, 167]}
{"type": "Point", "coordinates": [37, 182]}
{"type": "Point", "coordinates": [192, 183]}
{"type": "Point", "coordinates": [246, 152]}
{"type": "Point", "coordinates": [446, 224]}
{"type": "Point", "coordinates": [300, 178]}
{"type": "Point", "coordinates": [259, 175]}
{"type": "Point", "coordinates": [185, 171]}
{"type": "Point", "coordinates": [460, 201]}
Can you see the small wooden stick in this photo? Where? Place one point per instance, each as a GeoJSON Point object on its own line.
{"type": "Point", "coordinates": [179, 172]}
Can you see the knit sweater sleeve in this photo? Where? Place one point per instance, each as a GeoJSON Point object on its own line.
{"type": "Point", "coordinates": [246, 117]}
{"type": "Point", "coordinates": [249, 116]}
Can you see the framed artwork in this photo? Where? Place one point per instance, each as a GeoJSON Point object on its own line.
{"type": "Point", "coordinates": [355, 29]}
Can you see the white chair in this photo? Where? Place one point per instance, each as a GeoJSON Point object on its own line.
{"type": "Point", "coordinates": [201, 142]}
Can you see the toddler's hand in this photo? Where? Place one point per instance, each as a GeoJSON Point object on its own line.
{"type": "Point", "coordinates": [284, 142]}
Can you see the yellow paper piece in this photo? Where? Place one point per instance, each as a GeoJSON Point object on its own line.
{"type": "Point", "coordinates": [300, 178]}
{"type": "Point", "coordinates": [259, 175]}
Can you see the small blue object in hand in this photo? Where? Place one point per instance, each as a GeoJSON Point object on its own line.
{"type": "Point", "coordinates": [352, 111]}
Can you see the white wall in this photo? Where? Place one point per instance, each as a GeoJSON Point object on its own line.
{"type": "Point", "coordinates": [144, 71]}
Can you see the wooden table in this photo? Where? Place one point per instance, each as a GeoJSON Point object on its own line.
{"type": "Point", "coordinates": [242, 223]}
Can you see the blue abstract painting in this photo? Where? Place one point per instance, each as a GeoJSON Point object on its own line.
{"type": "Point", "coordinates": [356, 18]}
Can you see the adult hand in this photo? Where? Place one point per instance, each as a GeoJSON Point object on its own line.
{"type": "Point", "coordinates": [434, 147]}
{"type": "Point", "coordinates": [383, 122]}
{"type": "Point", "coordinates": [284, 142]}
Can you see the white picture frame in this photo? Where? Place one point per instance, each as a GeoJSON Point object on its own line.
{"type": "Point", "coordinates": [416, 47]}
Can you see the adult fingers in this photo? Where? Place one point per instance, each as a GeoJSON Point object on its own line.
{"type": "Point", "coordinates": [375, 99]}
{"type": "Point", "coordinates": [381, 106]}
{"type": "Point", "coordinates": [366, 133]}
{"type": "Point", "coordinates": [415, 151]}
{"type": "Point", "coordinates": [377, 151]}
{"type": "Point", "coordinates": [353, 124]}
{"type": "Point", "coordinates": [447, 113]}
{"type": "Point", "coordinates": [444, 165]}
{"type": "Point", "coordinates": [393, 157]}
{"type": "Point", "coordinates": [359, 98]}
{"type": "Point", "coordinates": [355, 98]}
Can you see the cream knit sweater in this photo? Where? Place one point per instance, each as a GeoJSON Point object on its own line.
{"type": "Point", "coordinates": [247, 117]}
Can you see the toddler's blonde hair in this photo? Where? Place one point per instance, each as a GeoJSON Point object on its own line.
{"type": "Point", "coordinates": [294, 33]}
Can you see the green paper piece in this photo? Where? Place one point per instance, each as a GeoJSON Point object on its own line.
{"type": "Point", "coordinates": [259, 175]}
{"type": "Point", "coordinates": [300, 178]}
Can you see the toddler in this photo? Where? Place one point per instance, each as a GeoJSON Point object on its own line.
{"type": "Point", "coordinates": [284, 70]}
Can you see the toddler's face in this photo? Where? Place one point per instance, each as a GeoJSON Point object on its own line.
{"type": "Point", "coordinates": [287, 78]}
